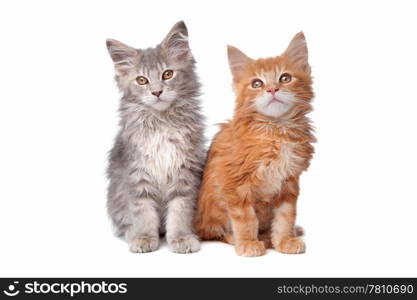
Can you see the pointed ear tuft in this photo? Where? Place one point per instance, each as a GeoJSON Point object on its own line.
{"type": "Point", "coordinates": [176, 43]}
{"type": "Point", "coordinates": [123, 56]}
{"type": "Point", "coordinates": [297, 52]}
{"type": "Point", "coordinates": [237, 61]}
{"type": "Point", "coordinates": [179, 27]}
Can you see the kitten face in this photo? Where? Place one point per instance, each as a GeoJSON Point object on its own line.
{"type": "Point", "coordinates": [156, 77]}
{"type": "Point", "coordinates": [273, 86]}
{"type": "Point", "coordinates": [149, 81]}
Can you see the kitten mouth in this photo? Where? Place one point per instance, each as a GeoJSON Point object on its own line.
{"type": "Point", "coordinates": [274, 100]}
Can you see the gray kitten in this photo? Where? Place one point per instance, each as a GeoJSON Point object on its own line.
{"type": "Point", "coordinates": [156, 162]}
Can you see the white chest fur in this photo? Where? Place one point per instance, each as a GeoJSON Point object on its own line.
{"type": "Point", "coordinates": [275, 171]}
{"type": "Point", "coordinates": [163, 154]}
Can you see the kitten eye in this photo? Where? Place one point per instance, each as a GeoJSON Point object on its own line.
{"type": "Point", "coordinates": [285, 78]}
{"type": "Point", "coordinates": [142, 80]}
{"type": "Point", "coordinates": [257, 83]}
{"type": "Point", "coordinates": [167, 74]}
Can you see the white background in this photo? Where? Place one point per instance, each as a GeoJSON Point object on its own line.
{"type": "Point", "coordinates": [58, 118]}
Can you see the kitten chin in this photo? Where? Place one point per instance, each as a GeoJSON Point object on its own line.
{"type": "Point", "coordinates": [163, 103]}
{"type": "Point", "coordinates": [275, 106]}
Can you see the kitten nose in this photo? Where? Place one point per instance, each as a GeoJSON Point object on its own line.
{"type": "Point", "coordinates": [272, 91]}
{"type": "Point", "coordinates": [157, 93]}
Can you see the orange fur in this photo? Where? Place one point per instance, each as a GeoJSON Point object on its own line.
{"type": "Point", "coordinates": [251, 179]}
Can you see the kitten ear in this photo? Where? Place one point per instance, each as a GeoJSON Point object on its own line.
{"type": "Point", "coordinates": [123, 56]}
{"type": "Point", "coordinates": [297, 52]}
{"type": "Point", "coordinates": [176, 43]}
{"type": "Point", "coordinates": [237, 61]}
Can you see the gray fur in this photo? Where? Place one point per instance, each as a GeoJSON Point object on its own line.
{"type": "Point", "coordinates": [157, 159]}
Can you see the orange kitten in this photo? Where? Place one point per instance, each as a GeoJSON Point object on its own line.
{"type": "Point", "coordinates": [251, 180]}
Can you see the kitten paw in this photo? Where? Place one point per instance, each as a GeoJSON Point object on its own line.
{"type": "Point", "coordinates": [250, 248]}
{"type": "Point", "coordinates": [291, 245]}
{"type": "Point", "coordinates": [184, 244]}
{"type": "Point", "coordinates": [143, 244]}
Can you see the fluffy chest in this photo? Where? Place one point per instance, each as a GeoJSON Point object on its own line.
{"type": "Point", "coordinates": [281, 164]}
{"type": "Point", "coordinates": [163, 153]}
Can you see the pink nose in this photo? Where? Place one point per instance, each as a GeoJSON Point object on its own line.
{"type": "Point", "coordinates": [272, 91]}
{"type": "Point", "coordinates": [157, 93]}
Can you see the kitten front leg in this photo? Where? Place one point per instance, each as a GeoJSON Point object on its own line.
{"type": "Point", "coordinates": [245, 228]}
{"type": "Point", "coordinates": [180, 213]}
{"type": "Point", "coordinates": [283, 237]}
{"type": "Point", "coordinates": [143, 235]}
{"type": "Point", "coordinates": [180, 238]}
